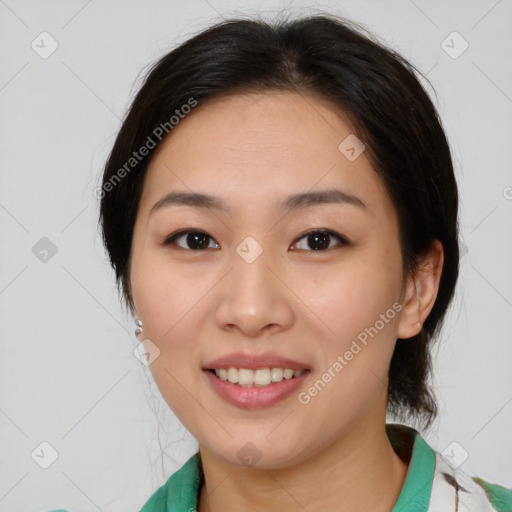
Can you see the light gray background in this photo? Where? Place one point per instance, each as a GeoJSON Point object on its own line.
{"type": "Point", "coordinates": [68, 373]}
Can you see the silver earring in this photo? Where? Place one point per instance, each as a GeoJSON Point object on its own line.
{"type": "Point", "coordinates": [138, 329]}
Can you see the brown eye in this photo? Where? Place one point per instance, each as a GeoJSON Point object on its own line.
{"type": "Point", "coordinates": [194, 240]}
{"type": "Point", "coordinates": [319, 240]}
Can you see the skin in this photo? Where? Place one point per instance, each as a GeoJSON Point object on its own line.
{"type": "Point", "coordinates": [196, 305]}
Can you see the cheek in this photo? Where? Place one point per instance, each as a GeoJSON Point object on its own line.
{"type": "Point", "coordinates": [168, 299]}
{"type": "Point", "coordinates": [359, 304]}
{"type": "Point", "coordinates": [353, 295]}
{"type": "Point", "coordinates": [174, 302]}
{"type": "Point", "coordinates": [163, 292]}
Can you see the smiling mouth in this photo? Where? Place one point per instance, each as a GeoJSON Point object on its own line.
{"type": "Point", "coordinates": [262, 377]}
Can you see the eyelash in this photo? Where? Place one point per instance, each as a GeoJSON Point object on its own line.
{"type": "Point", "coordinates": [170, 240]}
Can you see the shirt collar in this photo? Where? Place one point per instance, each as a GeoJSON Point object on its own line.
{"type": "Point", "coordinates": [415, 493]}
{"type": "Point", "coordinates": [183, 487]}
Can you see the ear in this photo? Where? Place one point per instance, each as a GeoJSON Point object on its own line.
{"type": "Point", "coordinates": [421, 292]}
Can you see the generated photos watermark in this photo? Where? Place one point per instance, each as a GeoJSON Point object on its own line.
{"type": "Point", "coordinates": [137, 156]}
{"type": "Point", "coordinates": [304, 397]}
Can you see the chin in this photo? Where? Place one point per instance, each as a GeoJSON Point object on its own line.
{"type": "Point", "coordinates": [256, 454]}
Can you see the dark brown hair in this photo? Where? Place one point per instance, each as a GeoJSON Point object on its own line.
{"type": "Point", "coordinates": [381, 96]}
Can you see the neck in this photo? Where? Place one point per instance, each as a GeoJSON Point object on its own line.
{"type": "Point", "coordinates": [360, 471]}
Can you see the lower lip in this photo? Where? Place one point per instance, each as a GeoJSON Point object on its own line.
{"type": "Point", "coordinates": [255, 397]}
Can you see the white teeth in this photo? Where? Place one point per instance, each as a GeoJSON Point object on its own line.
{"type": "Point", "coordinates": [245, 377]}
{"type": "Point", "coordinates": [259, 378]}
{"type": "Point", "coordinates": [288, 373]}
{"type": "Point", "coordinates": [277, 374]}
{"type": "Point", "coordinates": [262, 377]}
{"type": "Point", "coordinates": [233, 375]}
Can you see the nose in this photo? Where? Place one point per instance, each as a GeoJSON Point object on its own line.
{"type": "Point", "coordinates": [254, 297]}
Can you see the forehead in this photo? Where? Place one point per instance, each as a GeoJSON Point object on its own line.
{"type": "Point", "coordinates": [254, 148]}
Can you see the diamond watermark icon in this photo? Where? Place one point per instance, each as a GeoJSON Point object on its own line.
{"type": "Point", "coordinates": [454, 454]}
{"type": "Point", "coordinates": [44, 455]}
{"type": "Point", "coordinates": [146, 352]}
{"type": "Point", "coordinates": [454, 45]}
{"type": "Point", "coordinates": [249, 454]}
{"type": "Point", "coordinates": [249, 250]}
{"type": "Point", "coordinates": [44, 45]}
{"type": "Point", "coordinates": [463, 249]}
{"type": "Point", "coordinates": [44, 250]}
{"type": "Point", "coordinates": [351, 147]}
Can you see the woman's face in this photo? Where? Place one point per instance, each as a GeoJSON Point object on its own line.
{"type": "Point", "coordinates": [252, 283]}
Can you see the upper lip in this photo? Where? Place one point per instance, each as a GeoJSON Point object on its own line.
{"type": "Point", "coordinates": [254, 362]}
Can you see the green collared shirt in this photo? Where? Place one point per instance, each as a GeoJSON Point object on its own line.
{"type": "Point", "coordinates": [431, 484]}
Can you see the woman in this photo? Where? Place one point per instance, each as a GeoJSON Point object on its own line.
{"type": "Point", "coordinates": [280, 209]}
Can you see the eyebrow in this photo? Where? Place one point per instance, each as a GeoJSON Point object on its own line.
{"type": "Point", "coordinates": [294, 202]}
